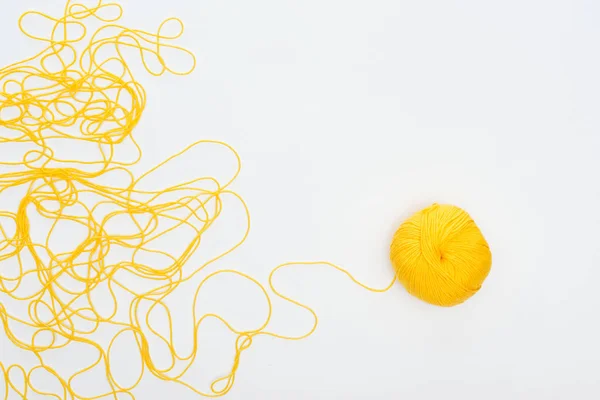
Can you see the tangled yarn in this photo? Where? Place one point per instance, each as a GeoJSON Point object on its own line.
{"type": "Point", "coordinates": [80, 90]}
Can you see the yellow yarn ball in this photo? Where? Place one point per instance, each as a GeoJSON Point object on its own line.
{"type": "Point", "coordinates": [440, 255]}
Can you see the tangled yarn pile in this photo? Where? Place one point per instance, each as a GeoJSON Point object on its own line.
{"type": "Point", "coordinates": [80, 90]}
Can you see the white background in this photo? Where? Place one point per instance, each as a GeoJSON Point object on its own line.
{"type": "Point", "coordinates": [351, 115]}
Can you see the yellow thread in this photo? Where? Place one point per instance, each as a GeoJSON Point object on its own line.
{"type": "Point", "coordinates": [440, 255]}
{"type": "Point", "coordinates": [90, 96]}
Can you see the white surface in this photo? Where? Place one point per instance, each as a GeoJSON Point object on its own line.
{"type": "Point", "coordinates": [349, 116]}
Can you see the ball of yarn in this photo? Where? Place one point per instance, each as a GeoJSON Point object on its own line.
{"type": "Point", "coordinates": [440, 255]}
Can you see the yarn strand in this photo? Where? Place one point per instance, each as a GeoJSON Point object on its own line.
{"type": "Point", "coordinates": [80, 90]}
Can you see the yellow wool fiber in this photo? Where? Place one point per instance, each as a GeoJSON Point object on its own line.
{"type": "Point", "coordinates": [80, 90]}
{"type": "Point", "coordinates": [440, 255]}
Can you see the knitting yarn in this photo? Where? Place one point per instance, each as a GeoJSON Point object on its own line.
{"type": "Point", "coordinates": [440, 255]}
{"type": "Point", "coordinates": [120, 275]}
{"type": "Point", "coordinates": [117, 278]}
